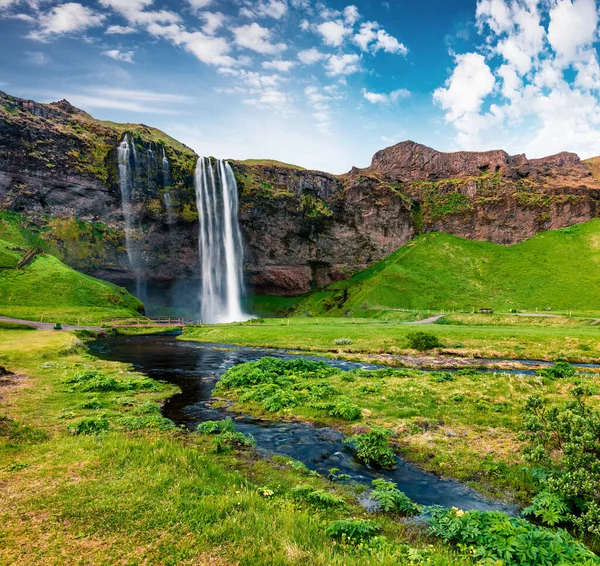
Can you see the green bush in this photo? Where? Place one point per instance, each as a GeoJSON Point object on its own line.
{"type": "Point", "coordinates": [151, 422]}
{"type": "Point", "coordinates": [215, 427]}
{"type": "Point", "coordinates": [90, 426]}
{"type": "Point", "coordinates": [423, 341]}
{"type": "Point", "coordinates": [353, 531]}
{"type": "Point", "coordinates": [373, 448]}
{"type": "Point", "coordinates": [391, 499]}
{"type": "Point", "coordinates": [560, 370]}
{"type": "Point", "coordinates": [345, 409]}
{"type": "Point", "coordinates": [317, 497]}
{"type": "Point", "coordinates": [227, 440]}
{"type": "Point", "coordinates": [495, 538]}
{"type": "Point", "coordinates": [566, 441]}
{"type": "Point", "coordinates": [442, 376]}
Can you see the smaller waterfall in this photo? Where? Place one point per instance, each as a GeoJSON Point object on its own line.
{"type": "Point", "coordinates": [220, 242]}
{"type": "Point", "coordinates": [165, 168]}
{"type": "Point", "coordinates": [126, 185]}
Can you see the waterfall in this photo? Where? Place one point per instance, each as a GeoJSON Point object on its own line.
{"type": "Point", "coordinates": [165, 168]}
{"type": "Point", "coordinates": [220, 242]}
{"type": "Point", "coordinates": [126, 185]}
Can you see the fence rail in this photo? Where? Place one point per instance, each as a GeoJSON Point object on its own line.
{"type": "Point", "coordinates": [148, 321]}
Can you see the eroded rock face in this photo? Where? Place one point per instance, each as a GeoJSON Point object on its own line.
{"type": "Point", "coordinates": [301, 228]}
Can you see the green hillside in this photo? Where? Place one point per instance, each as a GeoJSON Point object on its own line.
{"type": "Point", "coordinates": [558, 269]}
{"type": "Point", "coordinates": [48, 289]}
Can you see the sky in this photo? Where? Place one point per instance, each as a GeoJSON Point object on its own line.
{"type": "Point", "coordinates": [318, 83]}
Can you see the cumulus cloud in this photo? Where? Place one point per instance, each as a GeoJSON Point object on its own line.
{"type": "Point", "coordinates": [518, 77]}
{"type": "Point", "coordinates": [372, 38]}
{"type": "Point", "coordinates": [64, 19]}
{"type": "Point", "coordinates": [125, 56]}
{"type": "Point", "coordinates": [212, 21]}
{"type": "Point", "coordinates": [120, 30]}
{"type": "Point", "coordinates": [333, 32]}
{"type": "Point", "coordinates": [257, 38]}
{"type": "Point", "coordinates": [344, 64]}
{"type": "Point", "coordinates": [311, 56]}
{"type": "Point", "coordinates": [279, 65]}
{"type": "Point", "coordinates": [276, 9]}
{"type": "Point", "coordinates": [382, 98]}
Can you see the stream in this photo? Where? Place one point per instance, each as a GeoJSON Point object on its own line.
{"type": "Point", "coordinates": [195, 368]}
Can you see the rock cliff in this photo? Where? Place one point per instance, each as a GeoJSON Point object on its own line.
{"type": "Point", "coordinates": [59, 173]}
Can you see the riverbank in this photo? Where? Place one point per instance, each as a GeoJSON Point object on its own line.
{"type": "Point", "coordinates": [339, 336]}
{"type": "Point", "coordinates": [142, 491]}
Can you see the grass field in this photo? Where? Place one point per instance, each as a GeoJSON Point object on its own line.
{"type": "Point", "coordinates": [575, 342]}
{"type": "Point", "coordinates": [48, 290]}
{"type": "Point", "coordinates": [142, 492]}
{"type": "Point", "coordinates": [559, 270]}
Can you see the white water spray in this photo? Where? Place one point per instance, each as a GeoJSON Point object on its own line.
{"type": "Point", "coordinates": [126, 186]}
{"type": "Point", "coordinates": [220, 242]}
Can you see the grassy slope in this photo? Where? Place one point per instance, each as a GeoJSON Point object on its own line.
{"type": "Point", "coordinates": [558, 269]}
{"type": "Point", "coordinates": [47, 288]}
{"type": "Point", "coordinates": [147, 496]}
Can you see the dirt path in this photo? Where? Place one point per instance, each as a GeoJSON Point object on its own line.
{"type": "Point", "coordinates": [428, 320]}
{"type": "Point", "coordinates": [49, 325]}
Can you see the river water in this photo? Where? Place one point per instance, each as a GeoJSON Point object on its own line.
{"type": "Point", "coordinates": [196, 368]}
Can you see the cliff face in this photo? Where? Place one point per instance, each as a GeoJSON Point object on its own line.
{"type": "Point", "coordinates": [59, 169]}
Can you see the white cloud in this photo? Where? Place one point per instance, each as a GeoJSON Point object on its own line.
{"type": "Point", "coordinates": [212, 21]}
{"type": "Point", "coordinates": [372, 38]}
{"type": "Point", "coordinates": [379, 98]}
{"type": "Point", "coordinates": [471, 81]}
{"type": "Point", "coordinates": [333, 32]}
{"type": "Point", "coordinates": [521, 96]}
{"type": "Point", "coordinates": [37, 57]}
{"type": "Point", "coordinates": [344, 64]}
{"type": "Point", "coordinates": [199, 4]}
{"type": "Point", "coordinates": [66, 18]}
{"type": "Point", "coordinates": [279, 65]}
{"type": "Point", "coordinates": [120, 30]}
{"type": "Point", "coordinates": [125, 56]}
{"type": "Point", "coordinates": [257, 38]}
{"type": "Point", "coordinates": [276, 9]}
{"type": "Point", "coordinates": [351, 15]}
{"type": "Point", "coordinates": [319, 99]}
{"type": "Point", "coordinates": [572, 27]}
{"type": "Point", "coordinates": [311, 56]}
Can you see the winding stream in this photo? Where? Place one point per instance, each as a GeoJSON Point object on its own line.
{"type": "Point", "coordinates": [196, 368]}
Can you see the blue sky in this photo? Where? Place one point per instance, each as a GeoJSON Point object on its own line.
{"type": "Point", "coordinates": [323, 84]}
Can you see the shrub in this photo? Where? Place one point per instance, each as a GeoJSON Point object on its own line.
{"type": "Point", "coordinates": [90, 426]}
{"type": "Point", "coordinates": [280, 399]}
{"type": "Point", "coordinates": [423, 341]}
{"type": "Point", "coordinates": [353, 531]}
{"type": "Point", "coordinates": [494, 537]}
{"type": "Point", "coordinates": [560, 370]}
{"type": "Point", "coordinates": [373, 448]}
{"type": "Point", "coordinates": [549, 507]}
{"type": "Point", "coordinates": [224, 441]}
{"type": "Point", "coordinates": [342, 341]}
{"type": "Point", "coordinates": [566, 441]}
{"type": "Point", "coordinates": [442, 376]}
{"type": "Point", "coordinates": [390, 498]}
{"type": "Point", "coordinates": [345, 409]}
{"type": "Point", "coordinates": [215, 427]}
{"type": "Point", "coordinates": [317, 497]}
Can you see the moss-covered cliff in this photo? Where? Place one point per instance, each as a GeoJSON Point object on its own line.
{"type": "Point", "coordinates": [59, 171]}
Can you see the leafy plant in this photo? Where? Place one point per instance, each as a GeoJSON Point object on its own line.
{"type": "Point", "coordinates": [215, 427]}
{"type": "Point", "coordinates": [494, 537]}
{"type": "Point", "coordinates": [90, 426]}
{"type": "Point", "coordinates": [423, 341]}
{"type": "Point", "coordinates": [549, 507]}
{"type": "Point", "coordinates": [560, 370]}
{"type": "Point", "coordinates": [372, 448]}
{"type": "Point", "coordinates": [390, 498]}
{"type": "Point", "coordinates": [342, 341]}
{"type": "Point", "coordinates": [317, 497]}
{"type": "Point", "coordinates": [227, 440]}
{"type": "Point", "coordinates": [353, 531]}
{"type": "Point", "coordinates": [566, 441]}
{"type": "Point", "coordinates": [345, 409]}
{"type": "Point", "coordinates": [442, 376]}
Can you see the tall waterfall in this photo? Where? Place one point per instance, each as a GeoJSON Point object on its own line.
{"type": "Point", "coordinates": [220, 242]}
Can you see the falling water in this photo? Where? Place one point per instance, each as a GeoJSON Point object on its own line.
{"type": "Point", "coordinates": [220, 242]}
{"type": "Point", "coordinates": [126, 185]}
{"type": "Point", "coordinates": [165, 168]}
